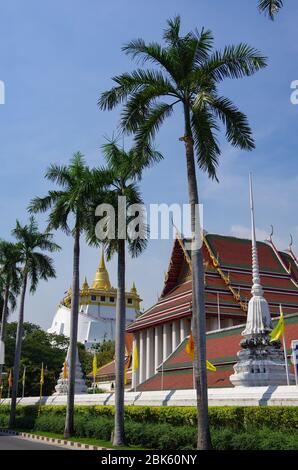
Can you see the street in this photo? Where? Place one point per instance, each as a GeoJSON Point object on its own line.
{"type": "Point", "coordinates": [8, 442]}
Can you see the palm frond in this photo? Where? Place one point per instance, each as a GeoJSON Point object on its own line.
{"type": "Point", "coordinates": [270, 7]}
{"type": "Point", "coordinates": [204, 127]}
{"type": "Point", "coordinates": [154, 118]}
{"type": "Point", "coordinates": [238, 132]}
{"type": "Point", "coordinates": [234, 62]}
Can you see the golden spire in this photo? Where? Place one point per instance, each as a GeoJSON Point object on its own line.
{"type": "Point", "coordinates": [133, 290]}
{"type": "Point", "coordinates": [85, 285]}
{"type": "Point", "coordinates": [101, 279]}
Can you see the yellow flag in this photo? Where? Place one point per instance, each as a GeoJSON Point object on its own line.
{"type": "Point", "coordinates": [94, 366]}
{"type": "Point", "coordinates": [135, 362]}
{"type": "Point", "coordinates": [65, 373]}
{"type": "Point", "coordinates": [190, 346]}
{"type": "Point", "coordinates": [125, 376]}
{"type": "Point", "coordinates": [190, 349]}
{"type": "Point", "coordinates": [279, 328]}
{"type": "Point", "coordinates": [24, 376]}
{"type": "Point", "coordinates": [42, 375]}
{"type": "Point", "coordinates": [210, 366]}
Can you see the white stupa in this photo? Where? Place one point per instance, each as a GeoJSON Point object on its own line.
{"type": "Point", "coordinates": [97, 311]}
{"type": "Point", "coordinates": [62, 383]}
{"type": "Point", "coordinates": [261, 361]}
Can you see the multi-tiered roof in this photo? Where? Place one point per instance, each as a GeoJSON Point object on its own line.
{"type": "Point", "coordinates": [228, 280]}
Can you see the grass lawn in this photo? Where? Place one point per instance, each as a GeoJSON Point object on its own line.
{"type": "Point", "coordinates": [82, 440]}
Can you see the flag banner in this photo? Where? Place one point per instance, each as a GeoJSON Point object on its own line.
{"type": "Point", "coordinates": [94, 367]}
{"type": "Point", "coordinates": [279, 328]}
{"type": "Point", "coordinates": [190, 349]}
{"type": "Point", "coordinates": [42, 375]}
{"type": "Point", "coordinates": [210, 366]}
{"type": "Point", "coordinates": [190, 346]}
{"type": "Point", "coordinates": [135, 358]}
{"type": "Point", "coordinates": [125, 376]}
{"type": "Point", "coordinates": [24, 376]}
{"type": "Point", "coordinates": [65, 372]}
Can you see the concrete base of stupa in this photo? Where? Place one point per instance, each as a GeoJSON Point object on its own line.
{"type": "Point", "coordinates": [261, 364]}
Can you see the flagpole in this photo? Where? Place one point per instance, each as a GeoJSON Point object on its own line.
{"type": "Point", "coordinates": [218, 310]}
{"type": "Point", "coordinates": [162, 375]}
{"type": "Point", "coordinates": [286, 359]}
{"type": "Point", "coordinates": [23, 382]}
{"type": "Point", "coordinates": [295, 362]}
{"type": "Point", "coordinates": [193, 375]}
{"type": "Point", "coordinates": [285, 349]}
{"type": "Point", "coordinates": [40, 387]}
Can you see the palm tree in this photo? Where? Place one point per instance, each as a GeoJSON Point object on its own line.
{"type": "Point", "coordinates": [123, 170]}
{"type": "Point", "coordinates": [270, 7]}
{"type": "Point", "coordinates": [35, 266]}
{"type": "Point", "coordinates": [70, 205]}
{"type": "Point", "coordinates": [9, 284]}
{"type": "Point", "coordinates": [188, 73]}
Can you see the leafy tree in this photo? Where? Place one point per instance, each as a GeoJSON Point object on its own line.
{"type": "Point", "coordinates": [122, 170]}
{"type": "Point", "coordinates": [270, 7]}
{"type": "Point", "coordinates": [69, 211]}
{"type": "Point", "coordinates": [35, 266]}
{"type": "Point", "coordinates": [9, 284]}
{"type": "Point", "coordinates": [38, 346]}
{"type": "Point", "coordinates": [187, 74]}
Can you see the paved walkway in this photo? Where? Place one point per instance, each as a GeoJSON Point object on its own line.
{"type": "Point", "coordinates": [8, 442]}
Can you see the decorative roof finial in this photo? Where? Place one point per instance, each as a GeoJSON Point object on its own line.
{"type": "Point", "coordinates": [258, 315]}
{"type": "Point", "coordinates": [271, 234]}
{"type": "Point", "coordinates": [291, 243]}
{"type": "Point", "coordinates": [256, 287]}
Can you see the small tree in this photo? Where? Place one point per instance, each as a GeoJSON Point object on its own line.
{"type": "Point", "coordinates": [70, 206]}
{"type": "Point", "coordinates": [35, 266]}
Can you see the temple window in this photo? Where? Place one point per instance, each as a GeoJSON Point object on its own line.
{"type": "Point", "coordinates": [93, 297]}
{"type": "Point", "coordinates": [112, 299]}
{"type": "Point", "coordinates": [129, 301]}
{"type": "Point", "coordinates": [102, 298]}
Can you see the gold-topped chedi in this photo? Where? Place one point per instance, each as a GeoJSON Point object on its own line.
{"type": "Point", "coordinates": [101, 279]}
{"type": "Point", "coordinates": [101, 292]}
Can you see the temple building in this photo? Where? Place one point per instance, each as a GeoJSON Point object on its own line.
{"type": "Point", "coordinates": [97, 309]}
{"type": "Point", "coordinates": [160, 334]}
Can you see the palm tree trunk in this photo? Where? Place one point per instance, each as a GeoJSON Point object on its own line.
{"type": "Point", "coordinates": [198, 294]}
{"type": "Point", "coordinates": [17, 356]}
{"type": "Point", "coordinates": [119, 435]}
{"type": "Point", "coordinates": [4, 323]}
{"type": "Point", "coordinates": [74, 316]}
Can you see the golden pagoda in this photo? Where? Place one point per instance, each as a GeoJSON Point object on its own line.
{"type": "Point", "coordinates": [102, 293]}
{"type": "Point", "coordinates": [101, 279]}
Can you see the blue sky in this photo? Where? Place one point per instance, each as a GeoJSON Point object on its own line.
{"type": "Point", "coordinates": [55, 59]}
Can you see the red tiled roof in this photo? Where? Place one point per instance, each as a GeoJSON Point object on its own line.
{"type": "Point", "coordinates": [222, 347]}
{"type": "Point", "coordinates": [234, 263]}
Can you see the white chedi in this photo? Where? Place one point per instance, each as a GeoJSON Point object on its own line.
{"type": "Point", "coordinates": [62, 384]}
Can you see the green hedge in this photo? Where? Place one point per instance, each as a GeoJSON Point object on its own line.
{"type": "Point", "coordinates": [172, 427]}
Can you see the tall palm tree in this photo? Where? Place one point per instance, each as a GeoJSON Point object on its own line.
{"type": "Point", "coordinates": [188, 74]}
{"type": "Point", "coordinates": [9, 284]}
{"type": "Point", "coordinates": [270, 7]}
{"type": "Point", "coordinates": [35, 266]}
{"type": "Point", "coordinates": [123, 170]}
{"type": "Point", "coordinates": [70, 206]}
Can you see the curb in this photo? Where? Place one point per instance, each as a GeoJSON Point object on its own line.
{"type": "Point", "coordinates": [52, 440]}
